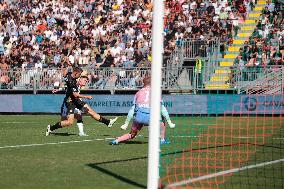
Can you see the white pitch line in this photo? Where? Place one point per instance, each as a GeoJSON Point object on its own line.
{"type": "Point", "coordinates": [186, 136]}
{"type": "Point", "coordinates": [109, 138]}
{"type": "Point", "coordinates": [16, 122]}
{"type": "Point", "coordinates": [25, 122]}
{"type": "Point", "coordinates": [197, 124]}
{"type": "Point", "coordinates": [240, 137]}
{"type": "Point", "coordinates": [214, 175]}
{"type": "Point", "coordinates": [267, 137]}
{"type": "Point", "coordinates": [52, 143]}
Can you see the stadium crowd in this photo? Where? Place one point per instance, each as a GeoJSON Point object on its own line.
{"type": "Point", "coordinates": [94, 34]}
{"type": "Point", "coordinates": [266, 44]}
{"type": "Point", "coordinates": [265, 47]}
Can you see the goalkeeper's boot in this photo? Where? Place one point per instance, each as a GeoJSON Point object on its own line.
{"type": "Point", "coordinates": [124, 126]}
{"type": "Point", "coordinates": [112, 121]}
{"type": "Point", "coordinates": [48, 131]}
{"type": "Point", "coordinates": [114, 142]}
{"type": "Point", "coordinates": [164, 141]}
{"type": "Point", "coordinates": [172, 125]}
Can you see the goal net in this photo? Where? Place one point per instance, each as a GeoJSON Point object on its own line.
{"type": "Point", "coordinates": [231, 141]}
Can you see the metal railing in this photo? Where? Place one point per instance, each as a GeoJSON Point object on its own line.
{"type": "Point", "coordinates": [203, 48]}
{"type": "Point", "coordinates": [99, 79]}
{"type": "Point", "coordinates": [175, 59]}
{"type": "Point", "coordinates": [174, 79]}
{"type": "Point", "coordinates": [190, 49]}
{"type": "Point", "coordinates": [210, 64]}
{"type": "Point", "coordinates": [30, 79]}
{"type": "Point", "coordinates": [266, 80]}
{"type": "Point", "coordinates": [248, 74]}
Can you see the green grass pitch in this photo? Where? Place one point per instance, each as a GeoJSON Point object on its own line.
{"type": "Point", "coordinates": [29, 160]}
{"type": "Point", "coordinates": [82, 165]}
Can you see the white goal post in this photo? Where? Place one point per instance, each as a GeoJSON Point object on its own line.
{"type": "Point", "coordinates": [156, 66]}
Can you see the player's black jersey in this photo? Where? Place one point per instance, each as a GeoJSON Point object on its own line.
{"type": "Point", "coordinates": [71, 86]}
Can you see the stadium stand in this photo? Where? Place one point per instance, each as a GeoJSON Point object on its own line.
{"type": "Point", "coordinates": [257, 45]}
{"type": "Point", "coordinates": [59, 34]}
{"type": "Point", "coordinates": [212, 48]}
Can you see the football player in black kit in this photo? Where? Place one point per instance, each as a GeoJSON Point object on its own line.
{"type": "Point", "coordinates": [73, 100]}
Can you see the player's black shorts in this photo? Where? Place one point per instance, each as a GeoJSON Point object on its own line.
{"type": "Point", "coordinates": [67, 108]}
{"type": "Point", "coordinates": [79, 104]}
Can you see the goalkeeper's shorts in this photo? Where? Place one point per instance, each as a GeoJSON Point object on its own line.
{"type": "Point", "coordinates": [142, 116]}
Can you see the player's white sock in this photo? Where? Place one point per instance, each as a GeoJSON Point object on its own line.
{"type": "Point", "coordinates": [80, 127]}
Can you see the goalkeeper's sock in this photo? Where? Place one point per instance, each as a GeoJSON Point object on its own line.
{"type": "Point", "coordinates": [127, 121]}
{"type": "Point", "coordinates": [56, 126]}
{"type": "Point", "coordinates": [129, 115]}
{"type": "Point", "coordinates": [165, 113]}
{"type": "Point", "coordinates": [124, 137]}
{"type": "Point", "coordinates": [104, 120]}
{"type": "Point", "coordinates": [163, 130]}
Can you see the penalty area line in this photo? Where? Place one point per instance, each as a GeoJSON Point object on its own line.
{"type": "Point", "coordinates": [214, 175]}
{"type": "Point", "coordinates": [52, 143]}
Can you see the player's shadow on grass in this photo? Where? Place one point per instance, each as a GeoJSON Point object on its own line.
{"type": "Point", "coordinates": [115, 175]}
{"type": "Point", "coordinates": [124, 179]}
{"type": "Point", "coordinates": [105, 135]}
{"type": "Point", "coordinates": [135, 142]}
{"type": "Point", "coordinates": [63, 134]}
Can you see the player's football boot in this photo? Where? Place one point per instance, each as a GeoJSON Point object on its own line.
{"type": "Point", "coordinates": [48, 131]}
{"type": "Point", "coordinates": [124, 126]}
{"type": "Point", "coordinates": [113, 142]}
{"type": "Point", "coordinates": [172, 125]}
{"type": "Point", "coordinates": [112, 121]}
{"type": "Point", "coordinates": [164, 141]}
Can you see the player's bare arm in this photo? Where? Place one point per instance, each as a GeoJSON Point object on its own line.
{"type": "Point", "coordinates": [77, 95]}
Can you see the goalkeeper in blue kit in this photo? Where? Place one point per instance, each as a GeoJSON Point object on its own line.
{"type": "Point", "coordinates": [164, 112]}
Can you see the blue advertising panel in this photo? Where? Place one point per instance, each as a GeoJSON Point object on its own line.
{"type": "Point", "coordinates": [176, 104]}
{"type": "Point", "coordinates": [11, 103]}
{"type": "Point", "coordinates": [245, 104]}
{"type": "Point", "coordinates": [111, 103]}
{"type": "Point", "coordinates": [186, 104]}
{"type": "Point", "coordinates": [260, 104]}
{"type": "Point", "coordinates": [42, 103]}
{"type": "Point", "coordinates": [219, 104]}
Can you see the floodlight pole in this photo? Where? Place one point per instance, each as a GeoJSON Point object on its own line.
{"type": "Point", "coordinates": [154, 130]}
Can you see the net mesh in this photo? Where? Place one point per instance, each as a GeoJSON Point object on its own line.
{"type": "Point", "coordinates": [237, 144]}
